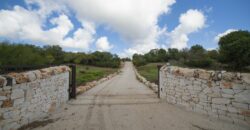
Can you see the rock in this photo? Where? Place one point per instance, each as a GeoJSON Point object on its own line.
{"type": "Point", "coordinates": [3, 98]}
{"type": "Point", "coordinates": [187, 72]}
{"type": "Point", "coordinates": [240, 105]}
{"type": "Point", "coordinates": [7, 88]}
{"type": "Point", "coordinates": [221, 108]}
{"type": "Point", "coordinates": [47, 72]}
{"type": "Point", "coordinates": [7, 103]}
{"type": "Point", "coordinates": [220, 101]}
{"type": "Point", "coordinates": [21, 78]}
{"type": "Point", "coordinates": [17, 93]}
{"type": "Point", "coordinates": [203, 74]}
{"type": "Point", "coordinates": [228, 91]}
{"type": "Point", "coordinates": [243, 97]}
{"type": "Point", "coordinates": [196, 74]}
{"type": "Point", "coordinates": [226, 85]}
{"type": "Point", "coordinates": [18, 101]}
{"type": "Point", "coordinates": [30, 75]}
{"type": "Point", "coordinates": [229, 76]}
{"type": "Point", "coordinates": [216, 76]}
{"type": "Point", "coordinates": [245, 113]}
{"type": "Point", "coordinates": [38, 74]}
{"type": "Point", "coordinates": [237, 86]}
{"type": "Point", "coordinates": [3, 81]}
{"type": "Point", "coordinates": [246, 77]}
{"type": "Point", "coordinates": [52, 107]}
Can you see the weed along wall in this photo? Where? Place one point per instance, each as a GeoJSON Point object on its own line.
{"type": "Point", "coordinates": [219, 94]}
{"type": "Point", "coordinates": [32, 96]}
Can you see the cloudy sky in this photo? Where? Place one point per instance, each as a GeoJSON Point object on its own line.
{"type": "Point", "coordinates": [123, 27]}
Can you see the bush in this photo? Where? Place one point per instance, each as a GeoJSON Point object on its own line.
{"type": "Point", "coordinates": [234, 49]}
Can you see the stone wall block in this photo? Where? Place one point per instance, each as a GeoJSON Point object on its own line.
{"type": "Point", "coordinates": [221, 101]}
{"type": "Point", "coordinates": [30, 75]}
{"type": "Point", "coordinates": [240, 105]}
{"type": "Point", "coordinates": [226, 85]}
{"type": "Point", "coordinates": [228, 91]}
{"type": "Point", "coordinates": [17, 93]}
{"type": "Point", "coordinates": [243, 97]}
{"type": "Point", "coordinates": [3, 81]}
{"type": "Point", "coordinates": [246, 77]}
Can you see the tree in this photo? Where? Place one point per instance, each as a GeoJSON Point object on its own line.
{"type": "Point", "coordinates": [197, 57]}
{"type": "Point", "coordinates": [139, 60]}
{"type": "Point", "coordinates": [234, 49]}
{"type": "Point", "coordinates": [173, 54]}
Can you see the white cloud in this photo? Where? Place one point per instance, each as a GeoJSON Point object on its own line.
{"type": "Point", "coordinates": [190, 22]}
{"type": "Point", "coordinates": [24, 24]}
{"type": "Point", "coordinates": [136, 21]}
{"type": "Point", "coordinates": [102, 44]}
{"type": "Point", "coordinates": [217, 38]}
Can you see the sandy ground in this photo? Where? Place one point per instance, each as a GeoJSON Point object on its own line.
{"type": "Point", "coordinates": [123, 103]}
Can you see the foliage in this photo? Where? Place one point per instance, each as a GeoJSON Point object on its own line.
{"type": "Point", "coordinates": [139, 60]}
{"type": "Point", "coordinates": [234, 49]}
{"type": "Point", "coordinates": [23, 54]}
{"type": "Point", "coordinates": [85, 73]}
{"type": "Point", "coordinates": [149, 71]}
{"type": "Point", "coordinates": [197, 57]}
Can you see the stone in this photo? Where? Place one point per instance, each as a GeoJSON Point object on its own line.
{"type": "Point", "coordinates": [219, 107]}
{"type": "Point", "coordinates": [227, 95]}
{"type": "Point", "coordinates": [17, 93]}
{"type": "Point", "coordinates": [243, 97]}
{"type": "Point", "coordinates": [52, 107]}
{"type": "Point", "coordinates": [228, 76]}
{"type": "Point", "coordinates": [30, 75]}
{"type": "Point", "coordinates": [3, 81]}
{"type": "Point", "coordinates": [187, 72]}
{"type": "Point", "coordinates": [237, 86]}
{"type": "Point", "coordinates": [240, 105]}
{"type": "Point", "coordinates": [18, 101]}
{"type": "Point", "coordinates": [245, 113]}
{"type": "Point", "coordinates": [226, 85]}
{"type": "Point", "coordinates": [221, 101]}
{"type": "Point", "coordinates": [20, 78]}
{"type": "Point", "coordinates": [203, 74]}
{"type": "Point", "coordinates": [214, 95]}
{"type": "Point", "coordinates": [38, 74]}
{"type": "Point", "coordinates": [7, 103]}
{"type": "Point", "coordinates": [232, 109]}
{"type": "Point", "coordinates": [216, 76]}
{"type": "Point", "coordinates": [3, 98]}
{"type": "Point", "coordinates": [207, 90]}
{"type": "Point", "coordinates": [6, 88]}
{"type": "Point", "coordinates": [245, 77]}
{"type": "Point", "coordinates": [47, 72]}
{"type": "Point", "coordinates": [228, 91]}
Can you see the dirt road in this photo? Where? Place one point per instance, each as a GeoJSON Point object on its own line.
{"type": "Point", "coordinates": [123, 103]}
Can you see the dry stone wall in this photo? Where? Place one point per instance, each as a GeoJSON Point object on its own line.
{"type": "Point", "coordinates": [30, 96]}
{"type": "Point", "coordinates": [220, 94]}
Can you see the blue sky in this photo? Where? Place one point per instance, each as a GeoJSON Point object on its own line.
{"type": "Point", "coordinates": [121, 27]}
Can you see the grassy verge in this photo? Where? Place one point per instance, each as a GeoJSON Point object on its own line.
{"type": "Point", "coordinates": [86, 74]}
{"type": "Point", "coordinates": [149, 71]}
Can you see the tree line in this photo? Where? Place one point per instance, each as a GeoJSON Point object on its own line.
{"type": "Point", "coordinates": [233, 54]}
{"type": "Point", "coordinates": [30, 55]}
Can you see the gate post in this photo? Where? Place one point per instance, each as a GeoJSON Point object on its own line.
{"type": "Point", "coordinates": [72, 85]}
{"type": "Point", "coordinates": [159, 82]}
